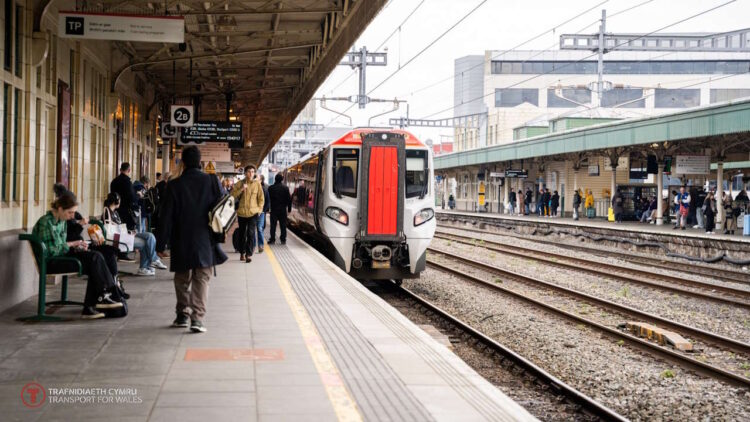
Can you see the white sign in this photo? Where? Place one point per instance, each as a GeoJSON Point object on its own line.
{"type": "Point", "coordinates": [692, 164]}
{"type": "Point", "coordinates": [496, 174]}
{"type": "Point", "coordinates": [167, 131]}
{"type": "Point", "coordinates": [181, 115]}
{"type": "Point", "coordinates": [225, 167]}
{"type": "Point", "coordinates": [622, 163]}
{"type": "Point", "coordinates": [102, 26]}
{"type": "Point", "coordinates": [215, 151]}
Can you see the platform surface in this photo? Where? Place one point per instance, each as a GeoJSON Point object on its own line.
{"type": "Point", "coordinates": [627, 226]}
{"type": "Point", "coordinates": [290, 337]}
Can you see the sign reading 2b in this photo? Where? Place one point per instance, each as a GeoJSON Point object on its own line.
{"type": "Point", "coordinates": [181, 115]}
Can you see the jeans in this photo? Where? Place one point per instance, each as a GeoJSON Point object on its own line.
{"type": "Point", "coordinates": [699, 217]}
{"type": "Point", "coordinates": [526, 209]}
{"type": "Point", "coordinates": [145, 244]}
{"type": "Point", "coordinates": [261, 223]}
{"type": "Point", "coordinates": [575, 212]}
{"type": "Point", "coordinates": [248, 227]}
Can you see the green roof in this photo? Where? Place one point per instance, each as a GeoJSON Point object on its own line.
{"type": "Point", "coordinates": [715, 120]}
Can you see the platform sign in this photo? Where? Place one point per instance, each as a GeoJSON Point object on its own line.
{"type": "Point", "coordinates": [516, 174]}
{"type": "Point", "coordinates": [692, 164]}
{"type": "Point", "coordinates": [167, 131]}
{"type": "Point", "coordinates": [118, 27]}
{"type": "Point", "coordinates": [181, 115]}
{"type": "Point", "coordinates": [593, 169]}
{"type": "Point", "coordinates": [495, 175]}
{"type": "Point", "coordinates": [213, 131]}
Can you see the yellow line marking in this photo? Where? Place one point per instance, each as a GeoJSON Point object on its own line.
{"type": "Point", "coordinates": [341, 400]}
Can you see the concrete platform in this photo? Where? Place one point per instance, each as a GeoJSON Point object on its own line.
{"type": "Point", "coordinates": [691, 242]}
{"type": "Point", "coordinates": [290, 337]}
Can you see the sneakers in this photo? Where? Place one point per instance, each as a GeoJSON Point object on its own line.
{"type": "Point", "coordinates": [145, 272]}
{"type": "Point", "coordinates": [106, 302]}
{"type": "Point", "coordinates": [158, 264]}
{"type": "Point", "coordinates": [91, 313]}
{"type": "Point", "coordinates": [260, 249]}
{"type": "Point", "coordinates": [197, 327]}
{"type": "Point", "coordinates": [182, 320]}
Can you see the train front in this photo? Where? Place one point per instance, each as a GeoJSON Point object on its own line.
{"type": "Point", "coordinates": [395, 208]}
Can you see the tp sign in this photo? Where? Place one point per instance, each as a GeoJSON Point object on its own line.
{"type": "Point", "coordinates": [116, 27]}
{"type": "Point", "coordinates": [181, 115]}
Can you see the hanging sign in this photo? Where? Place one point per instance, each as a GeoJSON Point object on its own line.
{"type": "Point", "coordinates": [103, 26]}
{"type": "Point", "coordinates": [214, 131]}
{"type": "Point", "coordinates": [495, 175]}
{"type": "Point", "coordinates": [692, 164]}
{"type": "Point", "coordinates": [167, 131]}
{"type": "Point", "coordinates": [519, 174]}
{"type": "Point", "coordinates": [181, 115]}
{"type": "Point", "coordinates": [215, 151]}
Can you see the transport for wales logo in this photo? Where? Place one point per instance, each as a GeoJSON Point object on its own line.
{"type": "Point", "coordinates": [33, 395]}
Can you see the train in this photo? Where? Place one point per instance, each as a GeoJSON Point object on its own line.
{"type": "Point", "coordinates": [369, 199]}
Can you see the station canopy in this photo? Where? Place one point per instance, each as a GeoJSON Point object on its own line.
{"type": "Point", "coordinates": [269, 57]}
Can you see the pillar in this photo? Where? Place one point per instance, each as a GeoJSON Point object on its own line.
{"type": "Point", "coordinates": [613, 187]}
{"type": "Point", "coordinates": [719, 190]}
{"type": "Point", "coordinates": [659, 199]}
{"type": "Point", "coordinates": [506, 196]}
{"type": "Point", "coordinates": [165, 158]}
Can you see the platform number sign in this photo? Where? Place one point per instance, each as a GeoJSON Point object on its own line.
{"type": "Point", "coordinates": [182, 115]}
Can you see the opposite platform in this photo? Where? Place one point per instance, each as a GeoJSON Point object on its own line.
{"type": "Point", "coordinates": [290, 337]}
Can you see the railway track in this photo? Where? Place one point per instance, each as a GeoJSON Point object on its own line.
{"type": "Point", "coordinates": [507, 357]}
{"type": "Point", "coordinates": [644, 345]}
{"type": "Point", "coordinates": [707, 270]}
{"type": "Point", "coordinates": [707, 291]}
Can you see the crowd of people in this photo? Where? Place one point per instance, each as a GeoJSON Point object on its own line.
{"type": "Point", "coordinates": [170, 215]}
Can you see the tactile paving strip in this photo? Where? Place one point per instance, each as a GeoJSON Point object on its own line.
{"type": "Point", "coordinates": [379, 392]}
{"type": "Point", "coordinates": [484, 404]}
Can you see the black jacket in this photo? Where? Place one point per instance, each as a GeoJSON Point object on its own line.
{"type": "Point", "coordinates": [266, 201]}
{"type": "Point", "coordinates": [184, 221]}
{"type": "Point", "coordinates": [527, 197]}
{"type": "Point", "coordinates": [280, 199]}
{"type": "Point", "coordinates": [554, 201]}
{"type": "Point", "coordinates": [128, 199]}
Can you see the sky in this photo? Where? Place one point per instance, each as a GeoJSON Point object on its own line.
{"type": "Point", "coordinates": [495, 25]}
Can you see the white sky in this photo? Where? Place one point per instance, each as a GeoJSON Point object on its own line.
{"type": "Point", "coordinates": [496, 25]}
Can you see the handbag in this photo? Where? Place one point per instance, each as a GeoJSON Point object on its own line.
{"type": "Point", "coordinates": [223, 215]}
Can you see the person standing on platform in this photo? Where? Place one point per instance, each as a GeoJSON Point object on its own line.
{"type": "Point", "coordinates": [709, 212]}
{"type": "Point", "coordinates": [617, 206]}
{"type": "Point", "coordinates": [527, 202]}
{"type": "Point", "coordinates": [280, 204]}
{"type": "Point", "coordinates": [512, 199]}
{"type": "Point", "coordinates": [262, 215]}
{"type": "Point", "coordinates": [576, 203]}
{"type": "Point", "coordinates": [249, 195]}
{"type": "Point", "coordinates": [123, 186]}
{"type": "Point", "coordinates": [545, 202]}
{"type": "Point", "coordinates": [682, 206]}
{"type": "Point", "coordinates": [554, 203]}
{"type": "Point", "coordinates": [185, 210]}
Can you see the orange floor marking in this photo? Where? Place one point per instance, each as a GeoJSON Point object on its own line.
{"type": "Point", "coordinates": [233, 354]}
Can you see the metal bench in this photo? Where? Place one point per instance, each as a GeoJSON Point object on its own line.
{"type": "Point", "coordinates": [42, 257]}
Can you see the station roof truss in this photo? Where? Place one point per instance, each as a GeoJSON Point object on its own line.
{"type": "Point", "coordinates": [722, 128]}
{"type": "Point", "coordinates": [271, 55]}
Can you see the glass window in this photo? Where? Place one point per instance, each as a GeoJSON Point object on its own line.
{"type": "Point", "coordinates": [506, 68]}
{"type": "Point", "coordinates": [677, 98]}
{"type": "Point", "coordinates": [345, 171]}
{"type": "Point", "coordinates": [19, 40]}
{"type": "Point", "coordinates": [416, 173]}
{"type": "Point", "coordinates": [720, 95]}
{"type": "Point", "coordinates": [8, 38]}
{"type": "Point", "coordinates": [623, 98]}
{"type": "Point", "coordinates": [570, 98]}
{"type": "Point", "coordinates": [511, 97]}
{"type": "Point", "coordinates": [16, 143]}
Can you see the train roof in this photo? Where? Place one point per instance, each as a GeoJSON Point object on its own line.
{"type": "Point", "coordinates": [354, 137]}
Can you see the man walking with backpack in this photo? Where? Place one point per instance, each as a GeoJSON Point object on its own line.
{"type": "Point", "coordinates": [281, 203]}
{"type": "Point", "coordinates": [184, 221]}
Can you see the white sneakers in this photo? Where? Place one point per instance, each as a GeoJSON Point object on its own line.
{"type": "Point", "coordinates": [158, 264]}
{"type": "Point", "coordinates": [145, 272]}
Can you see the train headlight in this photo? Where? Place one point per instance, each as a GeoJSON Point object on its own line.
{"type": "Point", "coordinates": [338, 215]}
{"type": "Point", "coordinates": [424, 216]}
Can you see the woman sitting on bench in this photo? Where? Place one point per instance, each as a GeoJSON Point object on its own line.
{"type": "Point", "coordinates": [51, 229]}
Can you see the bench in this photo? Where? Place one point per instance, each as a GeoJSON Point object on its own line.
{"type": "Point", "coordinates": [42, 257]}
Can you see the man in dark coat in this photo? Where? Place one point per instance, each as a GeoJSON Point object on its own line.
{"type": "Point", "coordinates": [123, 186]}
{"type": "Point", "coordinates": [184, 221]}
{"type": "Point", "coordinates": [281, 203]}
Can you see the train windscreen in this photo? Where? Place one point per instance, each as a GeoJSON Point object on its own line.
{"type": "Point", "coordinates": [416, 173]}
{"type": "Point", "coordinates": [345, 170]}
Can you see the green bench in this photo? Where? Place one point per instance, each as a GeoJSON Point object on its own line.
{"type": "Point", "coordinates": [43, 258]}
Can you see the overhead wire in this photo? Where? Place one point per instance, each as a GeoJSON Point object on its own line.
{"type": "Point", "coordinates": [591, 55]}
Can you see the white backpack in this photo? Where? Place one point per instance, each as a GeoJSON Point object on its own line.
{"type": "Point", "coordinates": [223, 215]}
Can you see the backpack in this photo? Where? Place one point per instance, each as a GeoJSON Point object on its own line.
{"type": "Point", "coordinates": [150, 200]}
{"type": "Point", "coordinates": [222, 215]}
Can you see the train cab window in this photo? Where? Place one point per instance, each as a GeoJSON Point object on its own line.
{"type": "Point", "coordinates": [345, 166]}
{"type": "Point", "coordinates": [416, 174]}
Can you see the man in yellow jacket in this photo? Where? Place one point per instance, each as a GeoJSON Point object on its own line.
{"type": "Point", "coordinates": [249, 196]}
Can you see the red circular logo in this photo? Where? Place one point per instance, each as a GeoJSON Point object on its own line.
{"type": "Point", "coordinates": [33, 395]}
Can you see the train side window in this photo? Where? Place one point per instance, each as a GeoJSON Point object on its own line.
{"type": "Point", "coordinates": [416, 173]}
{"type": "Point", "coordinates": [345, 166]}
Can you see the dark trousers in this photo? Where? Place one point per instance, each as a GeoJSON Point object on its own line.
{"type": "Point", "coordinates": [110, 256]}
{"type": "Point", "coordinates": [247, 228]}
{"type": "Point", "coordinates": [281, 219]}
{"type": "Point", "coordinates": [94, 266]}
{"type": "Point", "coordinates": [710, 221]}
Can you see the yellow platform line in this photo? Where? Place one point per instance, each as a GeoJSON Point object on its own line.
{"type": "Point", "coordinates": [341, 400]}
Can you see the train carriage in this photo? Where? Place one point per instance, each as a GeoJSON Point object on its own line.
{"type": "Point", "coordinates": [368, 197]}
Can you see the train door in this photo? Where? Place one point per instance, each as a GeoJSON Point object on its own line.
{"type": "Point", "coordinates": [382, 204]}
{"type": "Point", "coordinates": [320, 177]}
